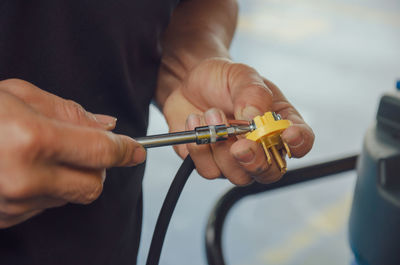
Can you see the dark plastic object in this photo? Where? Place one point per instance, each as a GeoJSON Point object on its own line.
{"type": "Point", "coordinates": [375, 216]}
{"type": "Point", "coordinates": [167, 209]}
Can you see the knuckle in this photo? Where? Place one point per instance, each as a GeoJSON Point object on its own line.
{"type": "Point", "coordinates": [258, 161]}
{"type": "Point", "coordinates": [115, 150]}
{"type": "Point", "coordinates": [14, 189]}
{"type": "Point", "coordinates": [244, 70]}
{"type": "Point", "coordinates": [123, 152]}
{"type": "Point", "coordinates": [309, 139]}
{"type": "Point", "coordinates": [74, 110]}
{"type": "Point", "coordinates": [267, 179]}
{"type": "Point", "coordinates": [199, 152]}
{"type": "Point", "coordinates": [242, 180]}
{"type": "Point", "coordinates": [94, 192]}
{"type": "Point", "coordinates": [210, 173]}
{"type": "Point", "coordinates": [29, 138]}
{"type": "Point", "coordinates": [24, 142]}
{"type": "Point", "coordinates": [239, 67]}
{"type": "Point", "coordinates": [262, 169]}
{"type": "Point", "coordinates": [14, 82]}
{"type": "Point", "coordinates": [16, 86]}
{"type": "Point", "coordinates": [260, 90]}
{"type": "Point", "coordinates": [11, 211]}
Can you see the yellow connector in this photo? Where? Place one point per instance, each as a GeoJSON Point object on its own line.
{"type": "Point", "coordinates": [268, 132]}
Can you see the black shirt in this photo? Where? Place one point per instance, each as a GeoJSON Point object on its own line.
{"type": "Point", "coordinates": [104, 55]}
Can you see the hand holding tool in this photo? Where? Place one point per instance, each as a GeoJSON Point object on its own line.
{"type": "Point", "coordinates": [264, 129]}
{"type": "Point", "coordinates": [200, 135]}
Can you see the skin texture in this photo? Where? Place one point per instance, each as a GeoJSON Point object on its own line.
{"type": "Point", "coordinates": [199, 85]}
{"type": "Point", "coordinates": [53, 152]}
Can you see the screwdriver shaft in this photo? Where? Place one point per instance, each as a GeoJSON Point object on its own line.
{"type": "Point", "coordinates": [167, 139]}
{"type": "Point", "coordinates": [200, 135]}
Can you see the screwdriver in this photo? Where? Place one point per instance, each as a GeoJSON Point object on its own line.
{"type": "Point", "coordinates": [200, 135]}
{"type": "Point", "coordinates": [265, 129]}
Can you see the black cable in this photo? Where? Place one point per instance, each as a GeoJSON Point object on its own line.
{"type": "Point", "coordinates": [167, 209]}
{"type": "Point", "coordinates": [216, 220]}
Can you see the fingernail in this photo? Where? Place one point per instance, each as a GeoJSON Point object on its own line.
{"type": "Point", "coordinates": [213, 116]}
{"type": "Point", "coordinates": [247, 156]}
{"type": "Point", "coordinates": [193, 121]}
{"type": "Point", "coordinates": [105, 120]}
{"type": "Point", "coordinates": [293, 138]}
{"type": "Point", "coordinates": [249, 112]}
{"type": "Point", "coordinates": [139, 155]}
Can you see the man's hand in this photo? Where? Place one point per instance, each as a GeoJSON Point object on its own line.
{"type": "Point", "coordinates": [218, 89]}
{"type": "Point", "coordinates": [192, 82]}
{"type": "Point", "coordinates": [53, 152]}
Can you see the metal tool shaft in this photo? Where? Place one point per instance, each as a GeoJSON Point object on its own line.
{"type": "Point", "coordinates": [167, 139]}
{"type": "Point", "coordinates": [200, 135]}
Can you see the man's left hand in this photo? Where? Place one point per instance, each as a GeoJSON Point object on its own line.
{"type": "Point", "coordinates": [217, 90]}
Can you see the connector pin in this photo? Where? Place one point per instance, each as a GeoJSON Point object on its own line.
{"type": "Point", "coordinates": [267, 131]}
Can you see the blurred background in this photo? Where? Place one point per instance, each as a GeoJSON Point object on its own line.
{"type": "Point", "coordinates": [333, 59]}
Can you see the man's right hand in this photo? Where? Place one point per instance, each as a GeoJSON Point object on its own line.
{"type": "Point", "coordinates": [53, 152]}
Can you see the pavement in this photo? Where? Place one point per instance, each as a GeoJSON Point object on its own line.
{"type": "Point", "coordinates": [333, 59]}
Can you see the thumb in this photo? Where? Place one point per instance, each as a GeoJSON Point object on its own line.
{"type": "Point", "coordinates": [250, 95]}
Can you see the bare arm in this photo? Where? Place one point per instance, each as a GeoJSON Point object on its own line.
{"type": "Point", "coordinates": [198, 30]}
{"type": "Point", "coordinates": [198, 84]}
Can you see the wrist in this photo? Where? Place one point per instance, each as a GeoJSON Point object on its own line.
{"type": "Point", "coordinates": [198, 30]}
{"type": "Point", "coordinates": [176, 66]}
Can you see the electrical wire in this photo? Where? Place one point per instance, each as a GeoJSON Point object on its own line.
{"type": "Point", "coordinates": [216, 220]}
{"type": "Point", "coordinates": [167, 210]}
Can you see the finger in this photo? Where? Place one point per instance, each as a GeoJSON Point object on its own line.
{"type": "Point", "coordinates": [58, 184]}
{"type": "Point", "coordinates": [272, 174]}
{"type": "Point", "coordinates": [76, 185]}
{"type": "Point", "coordinates": [250, 155]}
{"type": "Point", "coordinates": [299, 136]}
{"type": "Point", "coordinates": [11, 221]}
{"type": "Point", "coordinates": [201, 154]}
{"type": "Point", "coordinates": [300, 139]}
{"type": "Point", "coordinates": [56, 107]}
{"type": "Point", "coordinates": [14, 209]}
{"type": "Point", "coordinates": [222, 155]}
{"type": "Point", "coordinates": [236, 89]}
{"type": "Point", "coordinates": [90, 147]}
{"type": "Point", "coordinates": [176, 118]}
{"type": "Point", "coordinates": [106, 121]}
{"type": "Point", "coordinates": [250, 95]}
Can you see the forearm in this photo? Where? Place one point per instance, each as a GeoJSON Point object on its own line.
{"type": "Point", "coordinates": [199, 29]}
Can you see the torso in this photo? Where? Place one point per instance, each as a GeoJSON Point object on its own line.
{"type": "Point", "coordinates": [105, 56]}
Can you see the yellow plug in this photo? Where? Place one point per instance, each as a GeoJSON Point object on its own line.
{"type": "Point", "coordinates": [268, 132]}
